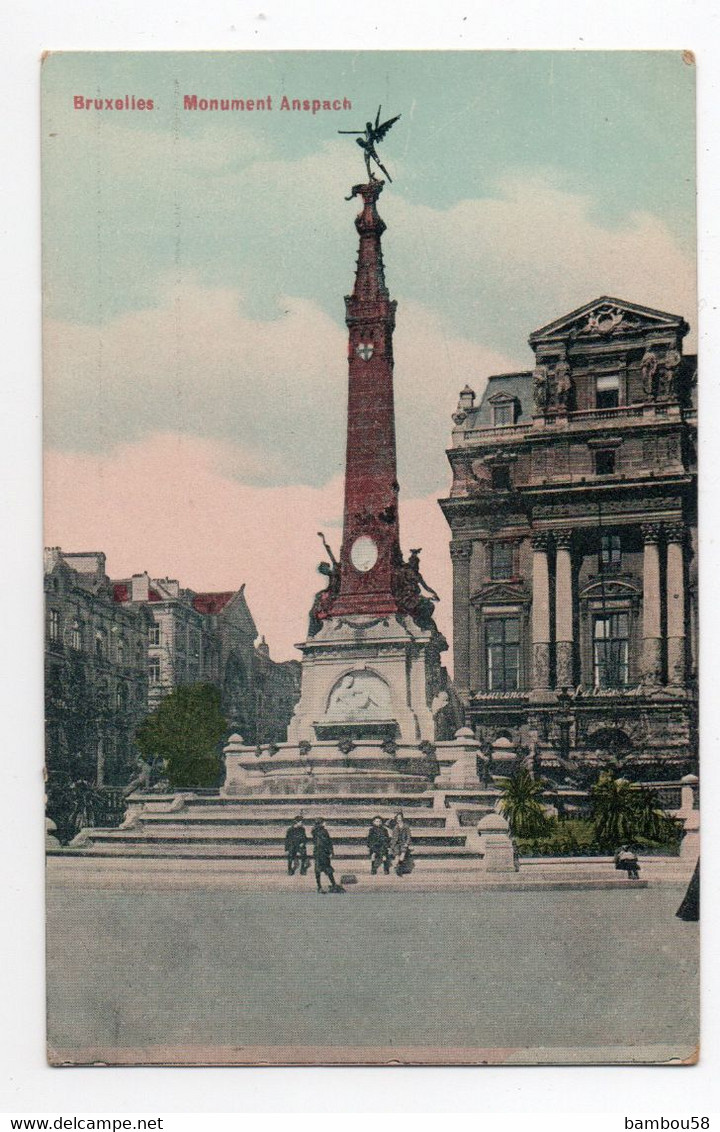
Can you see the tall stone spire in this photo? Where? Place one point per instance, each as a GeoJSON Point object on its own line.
{"type": "Point", "coordinates": [370, 556]}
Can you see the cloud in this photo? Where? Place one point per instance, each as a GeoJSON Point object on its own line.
{"type": "Point", "coordinates": [520, 259]}
{"type": "Point", "coordinates": [165, 505]}
{"type": "Point", "coordinates": [200, 365]}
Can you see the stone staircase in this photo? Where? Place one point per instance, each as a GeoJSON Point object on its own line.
{"type": "Point", "coordinates": [250, 830]}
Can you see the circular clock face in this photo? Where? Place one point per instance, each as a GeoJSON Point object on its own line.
{"type": "Point", "coordinates": [363, 554]}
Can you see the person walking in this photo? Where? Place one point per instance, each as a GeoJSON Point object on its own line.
{"type": "Point", "coordinates": [400, 840]}
{"type": "Point", "coordinates": [323, 850]}
{"type": "Point", "coordinates": [296, 846]}
{"type": "Point", "coordinates": [378, 843]}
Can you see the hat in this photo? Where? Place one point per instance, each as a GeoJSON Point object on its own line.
{"type": "Point", "coordinates": [298, 818]}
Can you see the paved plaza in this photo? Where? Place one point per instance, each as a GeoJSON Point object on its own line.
{"type": "Point", "coordinates": [219, 973]}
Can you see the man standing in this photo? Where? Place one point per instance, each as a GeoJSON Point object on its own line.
{"type": "Point", "coordinates": [323, 851]}
{"type": "Point", "coordinates": [400, 845]}
{"type": "Point", "coordinates": [296, 846]}
{"type": "Point", "coordinates": [378, 843]}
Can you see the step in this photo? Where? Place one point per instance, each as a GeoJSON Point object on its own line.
{"type": "Point", "coordinates": [257, 836]}
{"type": "Point", "coordinates": [296, 802]}
{"type": "Point", "coordinates": [270, 818]}
{"type": "Point", "coordinates": [146, 848]}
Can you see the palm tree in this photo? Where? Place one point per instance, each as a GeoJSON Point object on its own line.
{"type": "Point", "coordinates": [623, 812]}
{"type": "Point", "coordinates": [522, 806]}
{"type": "Point", "coordinates": [614, 810]}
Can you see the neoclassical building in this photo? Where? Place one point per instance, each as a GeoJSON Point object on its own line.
{"type": "Point", "coordinates": [573, 519]}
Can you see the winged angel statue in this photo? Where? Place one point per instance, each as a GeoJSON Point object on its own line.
{"type": "Point", "coordinates": [367, 140]}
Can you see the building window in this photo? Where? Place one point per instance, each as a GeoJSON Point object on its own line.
{"type": "Point", "coordinates": [503, 414]}
{"type": "Point", "coordinates": [121, 651]}
{"type": "Point", "coordinates": [501, 561]}
{"type": "Point", "coordinates": [76, 636]}
{"type": "Point", "coordinates": [54, 625]}
{"type": "Point", "coordinates": [500, 478]}
{"type": "Point", "coordinates": [605, 462]}
{"type": "Point", "coordinates": [100, 644]}
{"type": "Point", "coordinates": [610, 552]}
{"type": "Point", "coordinates": [611, 644]}
{"type": "Point", "coordinates": [154, 670]}
{"type": "Point", "coordinates": [607, 392]}
{"type": "Point", "coordinates": [120, 697]}
{"type": "Point", "coordinates": [154, 635]}
{"type": "Point", "coordinates": [502, 652]}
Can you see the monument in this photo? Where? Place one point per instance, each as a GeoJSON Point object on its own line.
{"type": "Point", "coordinates": [374, 729]}
{"type": "Point", "coordinates": [374, 699]}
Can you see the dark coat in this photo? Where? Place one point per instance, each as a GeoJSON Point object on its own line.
{"type": "Point", "coordinates": [322, 845]}
{"type": "Point", "coordinates": [378, 839]}
{"type": "Point", "coordinates": [400, 839]}
{"type": "Point", "coordinates": [295, 839]}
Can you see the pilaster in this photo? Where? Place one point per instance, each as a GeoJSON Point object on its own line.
{"type": "Point", "coordinates": [652, 637]}
{"type": "Point", "coordinates": [541, 613]}
{"type": "Point", "coordinates": [675, 534]}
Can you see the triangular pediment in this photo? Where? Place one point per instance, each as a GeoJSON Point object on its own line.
{"type": "Point", "coordinates": [501, 593]}
{"type": "Point", "coordinates": [607, 317]}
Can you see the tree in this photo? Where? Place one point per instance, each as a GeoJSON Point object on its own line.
{"type": "Point", "coordinates": [624, 813]}
{"type": "Point", "coordinates": [522, 806]}
{"type": "Point", "coordinates": [185, 731]}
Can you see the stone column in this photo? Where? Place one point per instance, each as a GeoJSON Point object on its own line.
{"type": "Point", "coordinates": [675, 534]}
{"type": "Point", "coordinates": [652, 641]}
{"type": "Point", "coordinates": [563, 610]}
{"type": "Point", "coordinates": [541, 613]}
{"type": "Point", "coordinates": [461, 553]}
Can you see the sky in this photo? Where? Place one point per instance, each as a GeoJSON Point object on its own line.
{"type": "Point", "coordinates": [195, 266]}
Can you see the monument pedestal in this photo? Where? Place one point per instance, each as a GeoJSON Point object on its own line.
{"type": "Point", "coordinates": [370, 677]}
{"type": "Point", "coordinates": [372, 689]}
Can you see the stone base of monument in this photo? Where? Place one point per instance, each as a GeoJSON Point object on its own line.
{"type": "Point", "coordinates": [243, 826]}
{"type": "Point", "coordinates": [326, 767]}
{"type": "Point", "coordinates": [370, 677]}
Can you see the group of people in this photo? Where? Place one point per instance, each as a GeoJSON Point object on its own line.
{"type": "Point", "coordinates": [388, 842]}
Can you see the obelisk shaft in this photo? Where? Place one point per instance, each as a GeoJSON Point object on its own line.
{"type": "Point", "coordinates": [370, 554]}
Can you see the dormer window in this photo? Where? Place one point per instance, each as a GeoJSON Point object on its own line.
{"type": "Point", "coordinates": [505, 410]}
{"type": "Point", "coordinates": [503, 414]}
{"type": "Point", "coordinates": [607, 392]}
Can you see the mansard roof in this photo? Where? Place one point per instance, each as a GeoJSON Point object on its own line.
{"type": "Point", "coordinates": [606, 316]}
{"type": "Point", "coordinates": [517, 386]}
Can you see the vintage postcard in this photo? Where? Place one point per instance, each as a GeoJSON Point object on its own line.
{"type": "Point", "coordinates": [371, 558]}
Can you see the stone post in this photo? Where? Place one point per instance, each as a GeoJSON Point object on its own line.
{"type": "Point", "coordinates": [652, 641]}
{"type": "Point", "coordinates": [461, 553]}
{"type": "Point", "coordinates": [496, 845]}
{"type": "Point", "coordinates": [675, 604]}
{"type": "Point", "coordinates": [458, 761]}
{"type": "Point", "coordinates": [541, 613]}
{"type": "Point", "coordinates": [563, 610]}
